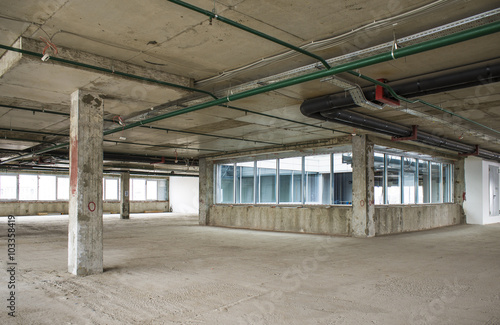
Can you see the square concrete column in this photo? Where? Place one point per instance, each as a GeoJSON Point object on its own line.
{"type": "Point", "coordinates": [363, 186]}
{"type": "Point", "coordinates": [125, 196]}
{"type": "Point", "coordinates": [85, 254]}
{"type": "Point", "coordinates": [206, 186]}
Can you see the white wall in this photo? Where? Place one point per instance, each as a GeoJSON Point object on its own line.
{"type": "Point", "coordinates": [184, 194]}
{"type": "Point", "coordinates": [477, 204]}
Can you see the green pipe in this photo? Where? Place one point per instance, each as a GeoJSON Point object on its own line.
{"type": "Point", "coordinates": [415, 101]}
{"type": "Point", "coordinates": [379, 58]}
{"type": "Point", "coordinates": [213, 15]}
{"type": "Point", "coordinates": [119, 73]}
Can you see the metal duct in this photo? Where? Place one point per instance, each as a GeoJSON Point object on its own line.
{"type": "Point", "coordinates": [355, 92]}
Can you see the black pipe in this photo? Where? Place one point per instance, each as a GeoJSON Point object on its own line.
{"type": "Point", "coordinates": [432, 85]}
{"type": "Point", "coordinates": [370, 123]}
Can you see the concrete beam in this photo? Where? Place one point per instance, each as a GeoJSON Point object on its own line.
{"type": "Point", "coordinates": [363, 207]}
{"type": "Point", "coordinates": [409, 146]}
{"type": "Point", "coordinates": [316, 146]}
{"type": "Point", "coordinates": [125, 195]}
{"type": "Point", "coordinates": [37, 46]}
{"type": "Point", "coordinates": [85, 255]}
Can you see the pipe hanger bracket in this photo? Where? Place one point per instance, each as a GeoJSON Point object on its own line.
{"type": "Point", "coordinates": [412, 137]}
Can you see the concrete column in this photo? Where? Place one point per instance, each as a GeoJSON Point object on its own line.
{"type": "Point", "coordinates": [459, 185]}
{"type": "Point", "coordinates": [363, 182]}
{"type": "Point", "coordinates": [206, 190]}
{"type": "Point", "coordinates": [85, 202]}
{"type": "Point", "coordinates": [125, 196]}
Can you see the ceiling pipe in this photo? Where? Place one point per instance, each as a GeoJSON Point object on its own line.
{"type": "Point", "coordinates": [452, 81]}
{"type": "Point", "coordinates": [379, 58]}
{"type": "Point", "coordinates": [369, 123]}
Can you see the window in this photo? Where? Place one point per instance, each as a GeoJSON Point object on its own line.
{"type": "Point", "coordinates": [245, 182]}
{"type": "Point", "coordinates": [423, 182]}
{"type": "Point", "coordinates": [447, 183]}
{"type": "Point", "coordinates": [151, 190]}
{"type": "Point", "coordinates": [162, 189]}
{"type": "Point", "coordinates": [409, 179]}
{"type": "Point", "coordinates": [266, 179]}
{"type": "Point", "coordinates": [291, 180]}
{"type": "Point", "coordinates": [436, 182]}
{"type": "Point", "coordinates": [62, 188]}
{"type": "Point", "coordinates": [317, 178]}
{"type": "Point", "coordinates": [47, 188]}
{"type": "Point", "coordinates": [8, 187]}
{"type": "Point", "coordinates": [111, 189]}
{"type": "Point", "coordinates": [142, 189]}
{"type": "Point", "coordinates": [342, 178]}
{"type": "Point", "coordinates": [406, 180]}
{"type": "Point", "coordinates": [290, 187]}
{"type": "Point", "coordinates": [393, 164]}
{"type": "Point", "coordinates": [28, 187]}
{"type": "Point", "coordinates": [138, 189]}
{"type": "Point", "coordinates": [379, 175]}
{"type": "Point", "coordinates": [225, 185]}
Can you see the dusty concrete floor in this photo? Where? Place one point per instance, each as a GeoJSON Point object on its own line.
{"type": "Point", "coordinates": [165, 269]}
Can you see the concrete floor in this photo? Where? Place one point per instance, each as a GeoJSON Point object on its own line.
{"type": "Point", "coordinates": [165, 269]}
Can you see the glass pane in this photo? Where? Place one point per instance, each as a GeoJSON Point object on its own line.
{"type": "Point", "coordinates": [28, 187]}
{"type": "Point", "coordinates": [342, 178]}
{"type": "Point", "coordinates": [63, 188]}
{"type": "Point", "coordinates": [225, 183]}
{"type": "Point", "coordinates": [423, 182]}
{"type": "Point", "coordinates": [162, 190]}
{"type": "Point", "coordinates": [47, 188]}
{"type": "Point", "coordinates": [447, 183]}
{"type": "Point", "coordinates": [8, 187]}
{"type": "Point", "coordinates": [138, 189]}
{"type": "Point", "coordinates": [317, 179]}
{"type": "Point", "coordinates": [291, 180]}
{"type": "Point", "coordinates": [409, 169]}
{"type": "Point", "coordinates": [393, 179]}
{"type": "Point", "coordinates": [379, 178]}
{"type": "Point", "coordinates": [245, 182]}
{"type": "Point", "coordinates": [151, 190]}
{"type": "Point", "coordinates": [111, 189]}
{"type": "Point", "coordinates": [436, 182]}
{"type": "Point", "coordinates": [266, 177]}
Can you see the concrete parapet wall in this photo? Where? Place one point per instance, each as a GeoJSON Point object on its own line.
{"type": "Point", "coordinates": [399, 219]}
{"type": "Point", "coordinates": [334, 220]}
{"type": "Point", "coordinates": [313, 220]}
{"type": "Point", "coordinates": [26, 208]}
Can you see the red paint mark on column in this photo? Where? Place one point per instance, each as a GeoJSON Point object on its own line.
{"type": "Point", "coordinates": [73, 173]}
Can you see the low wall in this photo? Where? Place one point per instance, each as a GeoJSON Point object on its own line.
{"type": "Point", "coordinates": [313, 220]}
{"type": "Point", "coordinates": [27, 208]}
{"type": "Point", "coordinates": [335, 220]}
{"type": "Point", "coordinates": [401, 218]}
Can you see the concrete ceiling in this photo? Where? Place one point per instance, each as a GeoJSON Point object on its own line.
{"type": "Point", "coordinates": [166, 43]}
